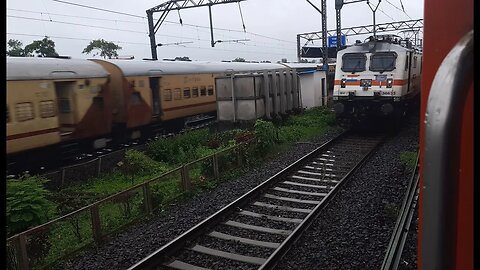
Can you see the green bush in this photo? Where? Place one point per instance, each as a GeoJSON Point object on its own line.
{"type": "Point", "coordinates": [137, 163]}
{"type": "Point", "coordinates": [266, 135]}
{"type": "Point", "coordinates": [27, 203]}
{"type": "Point", "coordinates": [177, 149]}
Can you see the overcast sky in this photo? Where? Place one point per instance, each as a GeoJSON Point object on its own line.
{"type": "Point", "coordinates": [271, 26]}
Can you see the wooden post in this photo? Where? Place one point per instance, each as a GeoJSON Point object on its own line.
{"type": "Point", "coordinates": [239, 156]}
{"type": "Point", "coordinates": [99, 166]}
{"type": "Point", "coordinates": [63, 176]}
{"type": "Point", "coordinates": [148, 198]}
{"type": "Point", "coordinates": [216, 172]}
{"type": "Point", "coordinates": [186, 185]}
{"type": "Point", "coordinates": [96, 224]}
{"type": "Point", "coordinates": [23, 260]}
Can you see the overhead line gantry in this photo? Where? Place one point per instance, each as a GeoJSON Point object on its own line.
{"type": "Point", "coordinates": [170, 5]}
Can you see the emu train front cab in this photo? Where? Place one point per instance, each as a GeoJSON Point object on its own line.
{"type": "Point", "coordinates": [379, 77]}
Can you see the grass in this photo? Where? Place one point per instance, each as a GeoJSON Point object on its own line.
{"type": "Point", "coordinates": [408, 159]}
{"type": "Point", "coordinates": [162, 156]}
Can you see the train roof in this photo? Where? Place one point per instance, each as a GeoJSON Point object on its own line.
{"type": "Point", "coordinates": [371, 47]}
{"type": "Point", "coordinates": [157, 67]}
{"type": "Point", "coordinates": [43, 68]}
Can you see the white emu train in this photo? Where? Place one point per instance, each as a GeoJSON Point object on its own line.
{"type": "Point", "coordinates": [379, 77]}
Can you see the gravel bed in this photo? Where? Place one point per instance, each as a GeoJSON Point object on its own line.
{"type": "Point", "coordinates": [264, 222]}
{"type": "Point", "coordinates": [235, 247]}
{"type": "Point", "coordinates": [354, 230]}
{"type": "Point", "coordinates": [274, 212]}
{"type": "Point", "coordinates": [260, 236]}
{"type": "Point", "coordinates": [287, 203]}
{"type": "Point", "coordinates": [142, 239]}
{"type": "Point", "coordinates": [212, 262]}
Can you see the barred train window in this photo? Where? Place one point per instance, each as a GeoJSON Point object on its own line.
{"type": "Point", "coordinates": [136, 98]}
{"type": "Point", "coordinates": [210, 90]}
{"type": "Point", "coordinates": [8, 115]}
{"type": "Point", "coordinates": [141, 83]}
{"type": "Point", "coordinates": [186, 92]}
{"type": "Point", "coordinates": [167, 95]}
{"type": "Point", "coordinates": [195, 92]}
{"type": "Point", "coordinates": [177, 93]}
{"type": "Point", "coordinates": [24, 111]}
{"type": "Point", "coordinates": [98, 102]}
{"type": "Point", "coordinates": [203, 91]}
{"type": "Point", "coordinates": [47, 108]}
{"type": "Point", "coordinates": [64, 105]}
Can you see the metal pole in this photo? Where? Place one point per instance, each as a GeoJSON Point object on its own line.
{"type": "Point", "coordinates": [151, 34]}
{"type": "Point", "coordinates": [374, 28]}
{"type": "Point", "coordinates": [324, 34]}
{"type": "Point", "coordinates": [338, 9]}
{"type": "Point", "coordinates": [299, 53]}
{"type": "Point", "coordinates": [211, 24]}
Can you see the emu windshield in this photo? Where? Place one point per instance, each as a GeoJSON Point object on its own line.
{"type": "Point", "coordinates": [383, 61]}
{"type": "Point", "coordinates": [354, 62]}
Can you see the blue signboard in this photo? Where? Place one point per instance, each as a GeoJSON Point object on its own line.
{"type": "Point", "coordinates": [332, 41]}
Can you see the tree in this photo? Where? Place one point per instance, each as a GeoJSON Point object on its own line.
{"type": "Point", "coordinates": [106, 48]}
{"type": "Point", "coordinates": [184, 58]}
{"type": "Point", "coordinates": [43, 48]}
{"type": "Point", "coordinates": [238, 59]}
{"type": "Point", "coordinates": [15, 48]}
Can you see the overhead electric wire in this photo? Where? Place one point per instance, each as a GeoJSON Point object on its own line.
{"type": "Point", "coordinates": [127, 14]}
{"type": "Point", "coordinates": [75, 16]}
{"type": "Point", "coordinates": [100, 9]}
{"type": "Point", "coordinates": [124, 30]}
{"type": "Point", "coordinates": [166, 21]}
{"type": "Point", "coordinates": [402, 10]}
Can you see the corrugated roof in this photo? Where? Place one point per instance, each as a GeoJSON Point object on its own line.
{"type": "Point", "coordinates": [43, 68]}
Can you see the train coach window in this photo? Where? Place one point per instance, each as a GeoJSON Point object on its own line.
{"type": "Point", "coordinates": [414, 62]}
{"type": "Point", "coordinates": [47, 108]}
{"type": "Point", "coordinates": [64, 105]}
{"type": "Point", "coordinates": [203, 91]}
{"type": "Point", "coordinates": [141, 83]}
{"type": "Point", "coordinates": [136, 98]}
{"type": "Point", "coordinates": [195, 92]}
{"type": "Point", "coordinates": [383, 61]}
{"type": "Point", "coordinates": [186, 92]}
{"type": "Point", "coordinates": [210, 90]}
{"type": "Point", "coordinates": [406, 63]}
{"type": "Point", "coordinates": [8, 115]}
{"type": "Point", "coordinates": [167, 95]}
{"type": "Point", "coordinates": [98, 102]}
{"type": "Point", "coordinates": [177, 93]}
{"type": "Point", "coordinates": [24, 111]}
{"type": "Point", "coordinates": [354, 62]}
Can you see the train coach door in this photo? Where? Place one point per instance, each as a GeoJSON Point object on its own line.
{"type": "Point", "coordinates": [66, 106]}
{"type": "Point", "coordinates": [155, 87]}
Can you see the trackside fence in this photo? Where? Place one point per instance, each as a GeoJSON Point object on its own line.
{"type": "Point", "coordinates": [86, 170]}
{"type": "Point", "coordinates": [43, 246]}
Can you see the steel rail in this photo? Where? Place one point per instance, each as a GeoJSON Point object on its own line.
{"type": "Point", "coordinates": [402, 226]}
{"type": "Point", "coordinates": [162, 254]}
{"type": "Point", "coordinates": [170, 249]}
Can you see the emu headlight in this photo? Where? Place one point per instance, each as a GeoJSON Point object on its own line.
{"type": "Point", "coordinates": [343, 83]}
{"type": "Point", "coordinates": [389, 83]}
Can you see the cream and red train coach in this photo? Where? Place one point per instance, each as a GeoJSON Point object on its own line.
{"type": "Point", "coordinates": [52, 101]}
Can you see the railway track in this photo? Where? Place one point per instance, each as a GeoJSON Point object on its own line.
{"type": "Point", "coordinates": [256, 230]}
